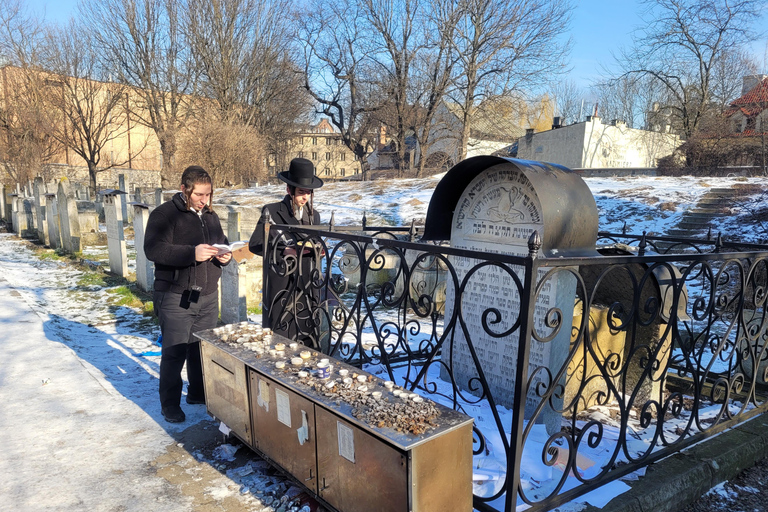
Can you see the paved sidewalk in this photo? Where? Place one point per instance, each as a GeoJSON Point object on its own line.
{"type": "Point", "coordinates": [80, 418]}
{"type": "Point", "coordinates": [70, 441]}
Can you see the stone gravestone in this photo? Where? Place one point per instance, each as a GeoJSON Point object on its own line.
{"type": "Point", "coordinates": [3, 203]}
{"type": "Point", "coordinates": [113, 216]}
{"type": "Point", "coordinates": [145, 270]}
{"type": "Point", "coordinates": [69, 222]}
{"type": "Point", "coordinates": [233, 302]}
{"type": "Point", "coordinates": [8, 212]}
{"type": "Point", "coordinates": [16, 217]}
{"type": "Point", "coordinates": [52, 217]}
{"type": "Point", "coordinates": [42, 222]}
{"type": "Point", "coordinates": [127, 212]}
{"type": "Point", "coordinates": [496, 205]}
{"type": "Point", "coordinates": [30, 212]}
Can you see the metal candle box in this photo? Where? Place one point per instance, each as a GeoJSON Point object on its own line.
{"type": "Point", "coordinates": [351, 465]}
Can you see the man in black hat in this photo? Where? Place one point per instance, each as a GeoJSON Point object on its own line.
{"type": "Point", "coordinates": [289, 298]}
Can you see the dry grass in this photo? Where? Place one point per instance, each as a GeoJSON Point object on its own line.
{"type": "Point", "coordinates": [668, 206]}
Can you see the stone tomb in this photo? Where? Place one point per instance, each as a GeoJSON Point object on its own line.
{"type": "Point", "coordinates": [494, 205]}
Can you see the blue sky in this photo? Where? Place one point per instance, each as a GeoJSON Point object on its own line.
{"type": "Point", "coordinates": [599, 28]}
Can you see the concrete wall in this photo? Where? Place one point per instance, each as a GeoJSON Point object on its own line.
{"type": "Point", "coordinates": [592, 144]}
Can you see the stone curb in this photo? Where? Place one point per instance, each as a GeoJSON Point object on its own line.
{"type": "Point", "coordinates": [680, 479]}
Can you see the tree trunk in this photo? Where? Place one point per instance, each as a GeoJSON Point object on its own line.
{"type": "Point", "coordinates": [92, 174]}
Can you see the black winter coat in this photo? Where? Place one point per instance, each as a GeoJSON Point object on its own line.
{"type": "Point", "coordinates": [173, 231]}
{"type": "Point", "coordinates": [289, 299]}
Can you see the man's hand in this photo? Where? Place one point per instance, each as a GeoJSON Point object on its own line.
{"type": "Point", "coordinates": [224, 258]}
{"type": "Point", "coordinates": [204, 252]}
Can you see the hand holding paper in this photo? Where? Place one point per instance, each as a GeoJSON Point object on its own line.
{"type": "Point", "coordinates": [224, 249]}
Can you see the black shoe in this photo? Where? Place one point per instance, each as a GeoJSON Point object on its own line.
{"type": "Point", "coordinates": [173, 414]}
{"type": "Point", "coordinates": [195, 401]}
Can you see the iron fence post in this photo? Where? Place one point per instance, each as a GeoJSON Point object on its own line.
{"type": "Point", "coordinates": [521, 376]}
{"type": "Point", "coordinates": [265, 273]}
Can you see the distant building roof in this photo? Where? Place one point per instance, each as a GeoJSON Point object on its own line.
{"type": "Point", "coordinates": [753, 102]}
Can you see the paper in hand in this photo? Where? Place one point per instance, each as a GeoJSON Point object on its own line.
{"type": "Point", "coordinates": [224, 249]}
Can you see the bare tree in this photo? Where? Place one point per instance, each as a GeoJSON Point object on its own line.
{"type": "Point", "coordinates": [25, 144]}
{"type": "Point", "coordinates": [338, 72]}
{"type": "Point", "coordinates": [243, 48]}
{"type": "Point", "coordinates": [90, 111]}
{"type": "Point", "coordinates": [506, 45]}
{"type": "Point", "coordinates": [433, 74]}
{"type": "Point", "coordinates": [569, 99]}
{"type": "Point", "coordinates": [142, 42]}
{"type": "Point", "coordinates": [680, 47]}
{"type": "Point", "coordinates": [228, 149]}
{"type": "Point", "coordinates": [398, 37]}
{"type": "Point", "coordinates": [727, 77]}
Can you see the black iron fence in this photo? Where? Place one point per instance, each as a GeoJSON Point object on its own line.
{"type": "Point", "coordinates": [577, 370]}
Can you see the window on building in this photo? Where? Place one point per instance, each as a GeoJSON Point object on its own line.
{"type": "Point", "coordinates": [328, 141]}
{"type": "Point", "coordinates": [342, 156]}
{"type": "Point", "coordinates": [357, 171]}
{"type": "Point", "coordinates": [327, 171]}
{"type": "Point", "coordinates": [342, 171]}
{"type": "Point", "coordinates": [751, 125]}
{"type": "Point", "coordinates": [314, 155]}
{"type": "Point", "coordinates": [327, 156]}
{"type": "Point", "coordinates": [314, 141]}
{"type": "Point", "coordinates": [356, 157]}
{"type": "Point", "coordinates": [301, 154]}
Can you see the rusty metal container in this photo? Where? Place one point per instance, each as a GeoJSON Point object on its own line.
{"type": "Point", "coordinates": [226, 389]}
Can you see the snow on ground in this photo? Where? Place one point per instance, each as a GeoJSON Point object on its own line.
{"type": "Point", "coordinates": [653, 204]}
{"type": "Point", "coordinates": [78, 381]}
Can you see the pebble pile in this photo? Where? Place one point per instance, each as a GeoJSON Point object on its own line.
{"type": "Point", "coordinates": [380, 404]}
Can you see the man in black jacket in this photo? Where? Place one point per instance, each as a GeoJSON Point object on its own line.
{"type": "Point", "coordinates": [179, 238]}
{"type": "Point", "coordinates": [289, 298]}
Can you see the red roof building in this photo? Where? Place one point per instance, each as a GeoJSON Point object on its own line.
{"type": "Point", "coordinates": [749, 113]}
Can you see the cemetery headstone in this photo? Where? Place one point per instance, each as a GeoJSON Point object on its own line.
{"type": "Point", "coordinates": [127, 212]}
{"type": "Point", "coordinates": [69, 221]}
{"type": "Point", "coordinates": [145, 270]}
{"type": "Point", "coordinates": [113, 215]}
{"type": "Point", "coordinates": [16, 217]}
{"type": "Point", "coordinates": [41, 221]}
{"type": "Point", "coordinates": [233, 288]}
{"type": "Point", "coordinates": [496, 205]}
{"type": "Point", "coordinates": [52, 217]}
{"type": "Point", "coordinates": [3, 203]}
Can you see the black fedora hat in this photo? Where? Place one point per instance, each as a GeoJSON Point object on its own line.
{"type": "Point", "coordinates": [301, 173]}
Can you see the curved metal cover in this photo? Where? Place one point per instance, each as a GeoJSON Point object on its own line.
{"type": "Point", "coordinates": [569, 211]}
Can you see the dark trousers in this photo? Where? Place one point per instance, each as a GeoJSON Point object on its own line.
{"type": "Point", "coordinates": [178, 324]}
{"type": "Point", "coordinates": [171, 363]}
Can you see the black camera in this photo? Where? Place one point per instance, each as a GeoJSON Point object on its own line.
{"type": "Point", "coordinates": [190, 296]}
{"type": "Point", "coordinates": [194, 294]}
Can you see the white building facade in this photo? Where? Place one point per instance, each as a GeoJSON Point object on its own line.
{"type": "Point", "coordinates": [594, 145]}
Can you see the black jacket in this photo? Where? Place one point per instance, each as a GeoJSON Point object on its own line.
{"type": "Point", "coordinates": [173, 231]}
{"type": "Point", "coordinates": [280, 213]}
{"type": "Point", "coordinates": [290, 300]}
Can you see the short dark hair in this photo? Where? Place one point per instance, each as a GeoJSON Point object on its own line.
{"type": "Point", "coordinates": [193, 175]}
